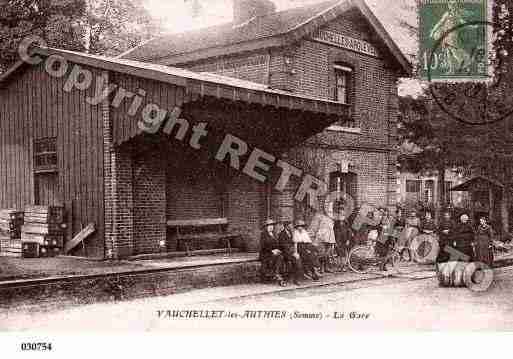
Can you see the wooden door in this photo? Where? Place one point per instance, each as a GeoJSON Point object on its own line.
{"type": "Point", "coordinates": [47, 191]}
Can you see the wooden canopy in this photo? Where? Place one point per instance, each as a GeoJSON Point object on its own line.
{"type": "Point", "coordinates": [478, 183]}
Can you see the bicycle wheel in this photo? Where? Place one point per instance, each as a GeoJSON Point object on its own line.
{"type": "Point", "coordinates": [405, 254]}
{"type": "Point", "coordinates": [361, 259]}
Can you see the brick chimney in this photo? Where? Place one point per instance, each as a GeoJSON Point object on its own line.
{"type": "Point", "coordinates": [244, 10]}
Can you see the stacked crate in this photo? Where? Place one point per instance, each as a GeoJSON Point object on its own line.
{"type": "Point", "coordinates": [11, 222]}
{"type": "Point", "coordinates": [43, 231]}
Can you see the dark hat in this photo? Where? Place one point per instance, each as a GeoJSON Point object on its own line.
{"type": "Point", "coordinates": [286, 220]}
{"type": "Point", "coordinates": [269, 222]}
{"type": "Point", "coordinates": [300, 223]}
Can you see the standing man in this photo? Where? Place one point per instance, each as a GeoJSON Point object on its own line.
{"type": "Point", "coordinates": [290, 256]}
{"type": "Point", "coordinates": [323, 238]}
{"type": "Point", "coordinates": [446, 231]}
{"type": "Point", "coordinates": [464, 239]}
{"type": "Point", "coordinates": [344, 239]}
{"type": "Point", "coordinates": [271, 254]}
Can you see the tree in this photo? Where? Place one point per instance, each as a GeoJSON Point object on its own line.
{"type": "Point", "coordinates": [115, 26]}
{"type": "Point", "coordinates": [56, 21]}
{"type": "Point", "coordinates": [104, 27]}
{"type": "Point", "coordinates": [431, 141]}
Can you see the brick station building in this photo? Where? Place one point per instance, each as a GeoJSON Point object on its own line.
{"type": "Point", "coordinates": [313, 86]}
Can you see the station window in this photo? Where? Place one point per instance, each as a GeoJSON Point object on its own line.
{"type": "Point", "coordinates": [413, 186]}
{"type": "Point", "coordinates": [45, 155]}
{"type": "Point", "coordinates": [342, 83]}
{"type": "Point", "coordinates": [448, 192]}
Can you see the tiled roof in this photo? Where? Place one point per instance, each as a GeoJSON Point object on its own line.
{"type": "Point", "coordinates": [228, 34]}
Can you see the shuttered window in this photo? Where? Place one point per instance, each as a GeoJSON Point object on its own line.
{"type": "Point", "coordinates": [342, 83]}
{"type": "Point", "coordinates": [45, 155]}
{"type": "Point", "coordinates": [413, 186]}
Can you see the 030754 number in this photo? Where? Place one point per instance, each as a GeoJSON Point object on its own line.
{"type": "Point", "coordinates": [41, 347]}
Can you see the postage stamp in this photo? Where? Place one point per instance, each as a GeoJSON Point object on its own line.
{"type": "Point", "coordinates": [453, 43]}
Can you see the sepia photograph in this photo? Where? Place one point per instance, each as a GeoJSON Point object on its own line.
{"type": "Point", "coordinates": [176, 166]}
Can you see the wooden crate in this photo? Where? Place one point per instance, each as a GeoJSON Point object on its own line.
{"type": "Point", "coordinates": [43, 228]}
{"type": "Point", "coordinates": [30, 250]}
{"type": "Point", "coordinates": [44, 239]}
{"type": "Point", "coordinates": [11, 214]}
{"type": "Point", "coordinates": [10, 247]}
{"type": "Point", "coordinates": [48, 214]}
{"type": "Point", "coordinates": [44, 252]}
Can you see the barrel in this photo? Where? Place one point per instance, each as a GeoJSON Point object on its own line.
{"type": "Point", "coordinates": [425, 248]}
{"type": "Point", "coordinates": [451, 274]}
{"type": "Point", "coordinates": [478, 276]}
{"type": "Point", "coordinates": [444, 271]}
{"type": "Point", "coordinates": [475, 276]}
{"type": "Point", "coordinates": [457, 274]}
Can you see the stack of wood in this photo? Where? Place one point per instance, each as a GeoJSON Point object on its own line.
{"type": "Point", "coordinates": [43, 231]}
{"type": "Point", "coordinates": [11, 221]}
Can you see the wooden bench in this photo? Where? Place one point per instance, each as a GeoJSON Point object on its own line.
{"type": "Point", "coordinates": [189, 230]}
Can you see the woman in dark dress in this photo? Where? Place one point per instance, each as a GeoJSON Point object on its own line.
{"type": "Point", "coordinates": [483, 243]}
{"type": "Point", "coordinates": [344, 239]}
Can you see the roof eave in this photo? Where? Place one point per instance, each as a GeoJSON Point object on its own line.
{"type": "Point", "coordinates": [253, 45]}
{"type": "Point", "coordinates": [296, 34]}
{"type": "Point", "coordinates": [406, 66]}
{"type": "Point", "coordinates": [6, 76]}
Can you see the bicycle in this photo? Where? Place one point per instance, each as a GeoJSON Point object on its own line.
{"type": "Point", "coordinates": [362, 258]}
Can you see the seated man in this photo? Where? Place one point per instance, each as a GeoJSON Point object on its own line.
{"type": "Point", "coordinates": [306, 250]}
{"type": "Point", "coordinates": [271, 255]}
{"type": "Point", "coordinates": [292, 259]}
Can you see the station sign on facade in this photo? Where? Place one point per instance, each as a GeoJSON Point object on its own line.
{"type": "Point", "coordinates": [345, 42]}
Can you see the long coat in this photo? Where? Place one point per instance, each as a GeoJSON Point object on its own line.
{"type": "Point", "coordinates": [343, 237]}
{"type": "Point", "coordinates": [483, 245]}
{"type": "Point", "coordinates": [286, 243]}
{"type": "Point", "coordinates": [463, 240]}
{"type": "Point", "coordinates": [446, 231]}
{"type": "Point", "coordinates": [272, 265]}
{"type": "Point", "coordinates": [267, 244]}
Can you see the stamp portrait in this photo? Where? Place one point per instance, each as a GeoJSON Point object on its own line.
{"type": "Point", "coordinates": [453, 43]}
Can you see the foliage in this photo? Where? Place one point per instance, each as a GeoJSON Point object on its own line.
{"type": "Point", "coordinates": [105, 27]}
{"type": "Point", "coordinates": [56, 21]}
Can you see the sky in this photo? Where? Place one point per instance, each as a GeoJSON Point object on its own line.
{"type": "Point", "coordinates": [177, 15]}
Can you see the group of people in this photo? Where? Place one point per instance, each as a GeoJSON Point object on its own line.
{"type": "Point", "coordinates": [462, 242]}
{"type": "Point", "coordinates": [294, 255]}
{"type": "Point", "coordinates": [291, 253]}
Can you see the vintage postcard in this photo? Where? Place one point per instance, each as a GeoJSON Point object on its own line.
{"type": "Point", "coordinates": [176, 166]}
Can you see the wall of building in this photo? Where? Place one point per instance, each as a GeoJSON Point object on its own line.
{"type": "Point", "coordinates": [34, 106]}
{"type": "Point", "coordinates": [306, 68]}
{"type": "Point", "coordinates": [459, 199]}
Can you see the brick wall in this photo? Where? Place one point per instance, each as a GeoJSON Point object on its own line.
{"type": "Point", "coordinates": [251, 67]}
{"type": "Point", "coordinates": [193, 196]}
{"type": "Point", "coordinates": [247, 209]}
{"type": "Point", "coordinates": [119, 203]}
{"type": "Point", "coordinates": [149, 174]}
{"type": "Point", "coordinates": [118, 198]}
{"type": "Point", "coordinates": [306, 68]}
{"type": "Point", "coordinates": [369, 167]}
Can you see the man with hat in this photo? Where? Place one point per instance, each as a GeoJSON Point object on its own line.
{"type": "Point", "coordinates": [290, 256]}
{"type": "Point", "coordinates": [446, 233]}
{"type": "Point", "coordinates": [464, 238]}
{"type": "Point", "coordinates": [270, 254]}
{"type": "Point", "coordinates": [306, 250]}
